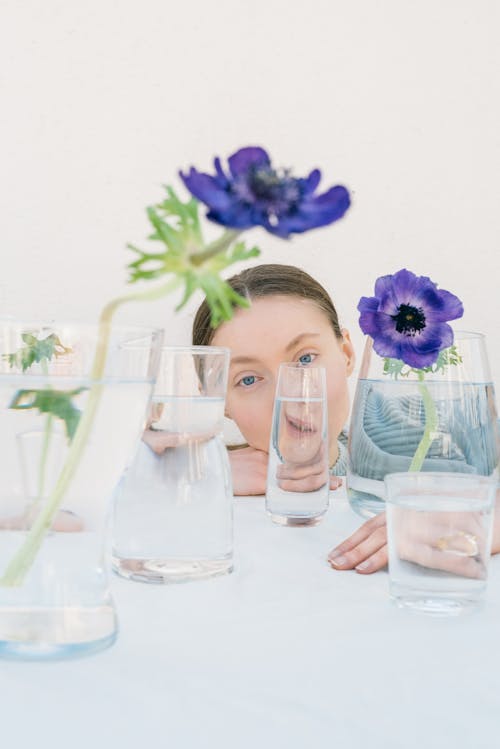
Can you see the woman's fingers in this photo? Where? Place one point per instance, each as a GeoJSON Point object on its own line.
{"type": "Point", "coordinates": [365, 550]}
{"type": "Point", "coordinates": [432, 558]}
{"type": "Point", "coordinates": [291, 471]}
{"type": "Point", "coordinates": [362, 533]}
{"type": "Point", "coordinates": [374, 562]}
{"type": "Point", "coordinates": [307, 484]}
{"type": "Point", "coordinates": [335, 482]}
{"type": "Point", "coordinates": [160, 440]}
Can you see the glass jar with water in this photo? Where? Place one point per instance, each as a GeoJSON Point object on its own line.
{"type": "Point", "coordinates": [390, 415]}
{"type": "Point", "coordinates": [66, 436]}
{"type": "Point", "coordinates": [172, 518]}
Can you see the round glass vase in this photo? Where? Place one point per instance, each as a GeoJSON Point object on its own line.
{"type": "Point", "coordinates": [448, 416]}
{"type": "Point", "coordinates": [66, 437]}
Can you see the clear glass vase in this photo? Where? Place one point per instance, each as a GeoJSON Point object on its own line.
{"type": "Point", "coordinates": [65, 438]}
{"type": "Point", "coordinates": [172, 517]}
{"type": "Point", "coordinates": [390, 415]}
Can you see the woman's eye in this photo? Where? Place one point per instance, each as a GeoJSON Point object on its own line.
{"type": "Point", "coordinates": [307, 358]}
{"type": "Point", "coordinates": [247, 381]}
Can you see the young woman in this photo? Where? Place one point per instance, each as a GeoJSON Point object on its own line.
{"type": "Point", "coordinates": [291, 318]}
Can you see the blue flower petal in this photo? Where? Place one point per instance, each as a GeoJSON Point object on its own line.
{"type": "Point", "coordinates": [206, 188]}
{"type": "Point", "coordinates": [441, 305]}
{"type": "Point", "coordinates": [311, 182]}
{"type": "Point", "coordinates": [438, 337]}
{"type": "Point", "coordinates": [221, 177]}
{"type": "Point", "coordinates": [414, 336]}
{"type": "Point", "coordinates": [405, 285]}
{"type": "Point", "coordinates": [368, 304]}
{"type": "Point", "coordinates": [235, 217]}
{"type": "Point", "coordinates": [253, 193]}
{"type": "Point", "coordinates": [247, 158]}
{"type": "Point", "coordinates": [387, 346]}
{"type": "Point", "coordinates": [415, 358]}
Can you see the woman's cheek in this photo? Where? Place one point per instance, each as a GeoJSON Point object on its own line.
{"type": "Point", "coordinates": [253, 415]}
{"type": "Point", "coordinates": [338, 406]}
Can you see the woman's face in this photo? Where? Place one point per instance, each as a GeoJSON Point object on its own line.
{"type": "Point", "coordinates": [273, 330]}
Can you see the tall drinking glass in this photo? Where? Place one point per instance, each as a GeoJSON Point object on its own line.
{"type": "Point", "coordinates": [173, 507]}
{"type": "Point", "coordinates": [298, 474]}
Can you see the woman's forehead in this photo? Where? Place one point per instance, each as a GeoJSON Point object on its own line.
{"type": "Point", "coordinates": [270, 321]}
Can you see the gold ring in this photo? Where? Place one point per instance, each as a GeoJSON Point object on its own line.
{"type": "Point", "coordinates": [462, 544]}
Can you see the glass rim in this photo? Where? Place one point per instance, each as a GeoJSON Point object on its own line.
{"type": "Point", "coordinates": [78, 324]}
{"type": "Point", "coordinates": [195, 349]}
{"type": "Point", "coordinates": [442, 476]}
{"type": "Point", "coordinates": [464, 334]}
{"type": "Point", "coordinates": [468, 334]}
{"type": "Point", "coordinates": [298, 365]}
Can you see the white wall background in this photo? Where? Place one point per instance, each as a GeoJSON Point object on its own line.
{"type": "Point", "coordinates": [103, 100]}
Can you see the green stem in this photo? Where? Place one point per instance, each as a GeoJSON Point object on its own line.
{"type": "Point", "coordinates": [219, 245]}
{"type": "Point", "coordinates": [25, 555]}
{"type": "Point", "coordinates": [47, 434]}
{"type": "Point", "coordinates": [431, 422]}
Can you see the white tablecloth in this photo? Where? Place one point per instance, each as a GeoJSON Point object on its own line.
{"type": "Point", "coordinates": [285, 652]}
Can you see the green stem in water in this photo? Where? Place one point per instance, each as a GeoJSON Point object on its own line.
{"type": "Point", "coordinates": [25, 555]}
{"type": "Point", "coordinates": [431, 422]}
{"type": "Point", "coordinates": [47, 434]}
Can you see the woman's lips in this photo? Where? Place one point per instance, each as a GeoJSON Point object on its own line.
{"type": "Point", "coordinates": [302, 427]}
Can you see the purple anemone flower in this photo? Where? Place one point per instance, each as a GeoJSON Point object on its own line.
{"type": "Point", "coordinates": [407, 318]}
{"type": "Point", "coordinates": [253, 193]}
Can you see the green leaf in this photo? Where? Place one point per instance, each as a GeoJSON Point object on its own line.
{"type": "Point", "coordinates": [55, 402]}
{"type": "Point", "coordinates": [447, 357]}
{"type": "Point", "coordinates": [176, 224]}
{"type": "Point", "coordinates": [36, 350]}
{"type": "Point", "coordinates": [171, 237]}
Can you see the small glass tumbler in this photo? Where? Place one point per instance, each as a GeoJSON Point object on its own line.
{"type": "Point", "coordinates": [439, 528]}
{"type": "Point", "coordinates": [298, 478]}
{"type": "Point", "coordinates": [172, 519]}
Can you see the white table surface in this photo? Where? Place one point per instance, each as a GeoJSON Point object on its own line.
{"type": "Point", "coordinates": [284, 652]}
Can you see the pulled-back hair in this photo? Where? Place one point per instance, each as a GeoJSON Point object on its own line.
{"type": "Point", "coordinates": [271, 279]}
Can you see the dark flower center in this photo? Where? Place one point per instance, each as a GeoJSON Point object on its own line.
{"type": "Point", "coordinates": [409, 320]}
{"type": "Point", "coordinates": [277, 192]}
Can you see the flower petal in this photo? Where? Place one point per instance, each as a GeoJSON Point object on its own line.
{"type": "Point", "coordinates": [206, 188]}
{"type": "Point", "coordinates": [369, 324]}
{"type": "Point", "coordinates": [417, 359]}
{"type": "Point", "coordinates": [387, 346]}
{"type": "Point", "coordinates": [319, 211]}
{"type": "Point", "coordinates": [251, 156]}
{"type": "Point", "coordinates": [368, 304]}
{"type": "Point", "coordinates": [432, 337]}
{"type": "Point", "coordinates": [396, 290]}
{"type": "Point", "coordinates": [235, 216]}
{"type": "Point", "coordinates": [441, 305]}
{"type": "Point", "coordinates": [221, 177]}
{"type": "Point", "coordinates": [311, 182]}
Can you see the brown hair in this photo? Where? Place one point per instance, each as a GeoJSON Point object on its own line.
{"type": "Point", "coordinates": [269, 280]}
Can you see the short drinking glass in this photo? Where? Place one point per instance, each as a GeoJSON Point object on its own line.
{"type": "Point", "coordinates": [439, 528]}
{"type": "Point", "coordinates": [298, 473]}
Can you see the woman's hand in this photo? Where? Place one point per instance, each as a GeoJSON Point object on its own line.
{"type": "Point", "coordinates": [365, 551]}
{"type": "Point", "coordinates": [249, 472]}
{"type": "Point", "coordinates": [304, 475]}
